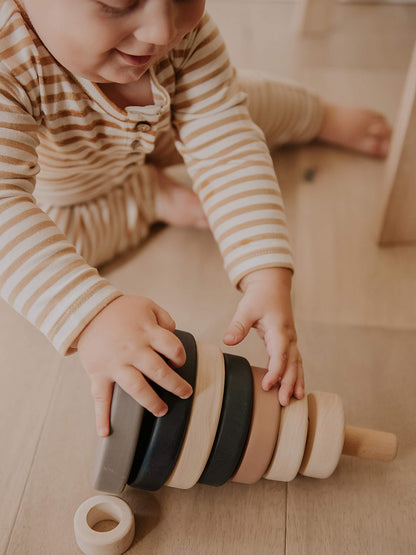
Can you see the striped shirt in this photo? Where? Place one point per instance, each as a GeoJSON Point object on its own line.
{"type": "Point", "coordinates": [64, 142]}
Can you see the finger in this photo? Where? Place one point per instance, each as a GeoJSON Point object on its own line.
{"type": "Point", "coordinates": [279, 355]}
{"type": "Point", "coordinates": [290, 376]}
{"type": "Point", "coordinates": [167, 344]}
{"type": "Point", "coordinates": [164, 319]}
{"type": "Point", "coordinates": [135, 384]}
{"type": "Point", "coordinates": [239, 327]}
{"type": "Point", "coordinates": [102, 393]}
{"type": "Point", "coordinates": [299, 390]}
{"type": "Point", "coordinates": [380, 128]}
{"type": "Point", "coordinates": [155, 368]}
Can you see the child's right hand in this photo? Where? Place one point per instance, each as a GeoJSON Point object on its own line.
{"type": "Point", "coordinates": [123, 343]}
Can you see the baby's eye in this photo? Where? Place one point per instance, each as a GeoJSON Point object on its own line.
{"type": "Point", "coordinates": [114, 11]}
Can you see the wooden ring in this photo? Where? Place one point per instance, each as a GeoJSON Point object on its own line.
{"type": "Point", "coordinates": [325, 435]}
{"type": "Point", "coordinates": [291, 440]}
{"type": "Point", "coordinates": [234, 424]}
{"type": "Point", "coordinates": [99, 508]}
{"type": "Point", "coordinates": [114, 453]}
{"type": "Point", "coordinates": [203, 422]}
{"type": "Point", "coordinates": [160, 439]}
{"type": "Point", "coordinates": [263, 432]}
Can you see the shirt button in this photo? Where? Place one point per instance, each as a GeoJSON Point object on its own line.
{"type": "Point", "coordinates": [135, 144]}
{"type": "Point", "coordinates": [143, 126]}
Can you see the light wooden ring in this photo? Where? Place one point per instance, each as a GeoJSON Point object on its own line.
{"type": "Point", "coordinates": [99, 508]}
{"type": "Point", "coordinates": [161, 438]}
{"type": "Point", "coordinates": [263, 432]}
{"type": "Point", "coordinates": [204, 418]}
{"type": "Point", "coordinates": [325, 435]}
{"type": "Point", "coordinates": [291, 441]}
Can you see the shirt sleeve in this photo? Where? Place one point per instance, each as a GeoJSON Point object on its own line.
{"type": "Point", "coordinates": [227, 157]}
{"type": "Point", "coordinates": [41, 275]}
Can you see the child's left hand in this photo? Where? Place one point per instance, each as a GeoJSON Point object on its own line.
{"type": "Point", "coordinates": [266, 306]}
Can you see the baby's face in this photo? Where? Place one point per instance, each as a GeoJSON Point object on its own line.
{"type": "Point", "coordinates": [112, 41]}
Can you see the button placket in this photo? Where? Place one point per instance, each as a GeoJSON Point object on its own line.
{"type": "Point", "coordinates": [143, 126]}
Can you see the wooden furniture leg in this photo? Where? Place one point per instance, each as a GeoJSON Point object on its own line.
{"type": "Point", "coordinates": [399, 215]}
{"type": "Point", "coordinates": [314, 17]}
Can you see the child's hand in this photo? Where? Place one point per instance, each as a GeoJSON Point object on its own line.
{"type": "Point", "coordinates": [266, 306]}
{"type": "Point", "coordinates": [124, 343]}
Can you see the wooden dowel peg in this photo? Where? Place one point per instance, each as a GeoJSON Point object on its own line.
{"type": "Point", "coordinates": [369, 444]}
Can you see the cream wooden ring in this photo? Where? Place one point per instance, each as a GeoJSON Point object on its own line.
{"type": "Point", "coordinates": [263, 432]}
{"type": "Point", "coordinates": [99, 508]}
{"type": "Point", "coordinates": [204, 418]}
{"type": "Point", "coordinates": [291, 440]}
{"type": "Point", "coordinates": [325, 435]}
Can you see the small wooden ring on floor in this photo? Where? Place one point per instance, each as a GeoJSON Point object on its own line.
{"type": "Point", "coordinates": [160, 440]}
{"type": "Point", "coordinates": [263, 432]}
{"type": "Point", "coordinates": [203, 422]}
{"type": "Point", "coordinates": [114, 453]}
{"type": "Point", "coordinates": [234, 424]}
{"type": "Point", "coordinates": [97, 509]}
{"type": "Point", "coordinates": [291, 440]}
{"type": "Point", "coordinates": [325, 435]}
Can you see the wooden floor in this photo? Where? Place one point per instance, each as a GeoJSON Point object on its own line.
{"type": "Point", "coordinates": [355, 307]}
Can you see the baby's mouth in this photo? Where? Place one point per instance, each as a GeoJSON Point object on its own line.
{"type": "Point", "coordinates": [134, 60]}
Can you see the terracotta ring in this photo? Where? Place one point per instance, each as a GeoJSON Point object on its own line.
{"type": "Point", "coordinates": [263, 432]}
{"type": "Point", "coordinates": [160, 439]}
{"type": "Point", "coordinates": [99, 508]}
{"type": "Point", "coordinates": [234, 424]}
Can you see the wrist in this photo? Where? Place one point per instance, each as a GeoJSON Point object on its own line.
{"type": "Point", "coordinates": [281, 276]}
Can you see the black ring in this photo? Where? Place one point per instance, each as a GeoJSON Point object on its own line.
{"type": "Point", "coordinates": [161, 439]}
{"type": "Point", "coordinates": [234, 424]}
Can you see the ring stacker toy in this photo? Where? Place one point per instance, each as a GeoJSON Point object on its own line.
{"type": "Point", "coordinates": [328, 438]}
{"type": "Point", "coordinates": [309, 438]}
{"type": "Point", "coordinates": [291, 440]}
{"type": "Point", "coordinates": [203, 422]}
{"type": "Point", "coordinates": [99, 508]}
{"type": "Point", "coordinates": [160, 439]}
{"type": "Point", "coordinates": [115, 453]}
{"type": "Point", "coordinates": [234, 424]}
{"type": "Point", "coordinates": [263, 432]}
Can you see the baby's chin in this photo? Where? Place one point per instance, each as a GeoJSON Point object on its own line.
{"type": "Point", "coordinates": [111, 73]}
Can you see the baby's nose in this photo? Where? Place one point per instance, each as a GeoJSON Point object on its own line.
{"type": "Point", "coordinates": [158, 27]}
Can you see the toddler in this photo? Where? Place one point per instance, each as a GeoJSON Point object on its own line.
{"type": "Point", "coordinates": [97, 97]}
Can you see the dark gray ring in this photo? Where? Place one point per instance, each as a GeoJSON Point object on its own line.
{"type": "Point", "coordinates": [161, 439]}
{"type": "Point", "coordinates": [114, 453]}
{"type": "Point", "coordinates": [234, 424]}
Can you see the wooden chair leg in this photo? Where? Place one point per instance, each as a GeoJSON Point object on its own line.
{"type": "Point", "coordinates": [399, 214]}
{"type": "Point", "coordinates": [314, 17]}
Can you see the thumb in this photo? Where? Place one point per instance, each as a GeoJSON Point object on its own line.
{"type": "Point", "coordinates": [239, 328]}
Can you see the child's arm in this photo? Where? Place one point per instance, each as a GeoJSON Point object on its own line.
{"type": "Point", "coordinates": [266, 306]}
{"type": "Point", "coordinates": [44, 279]}
{"type": "Point", "coordinates": [234, 177]}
